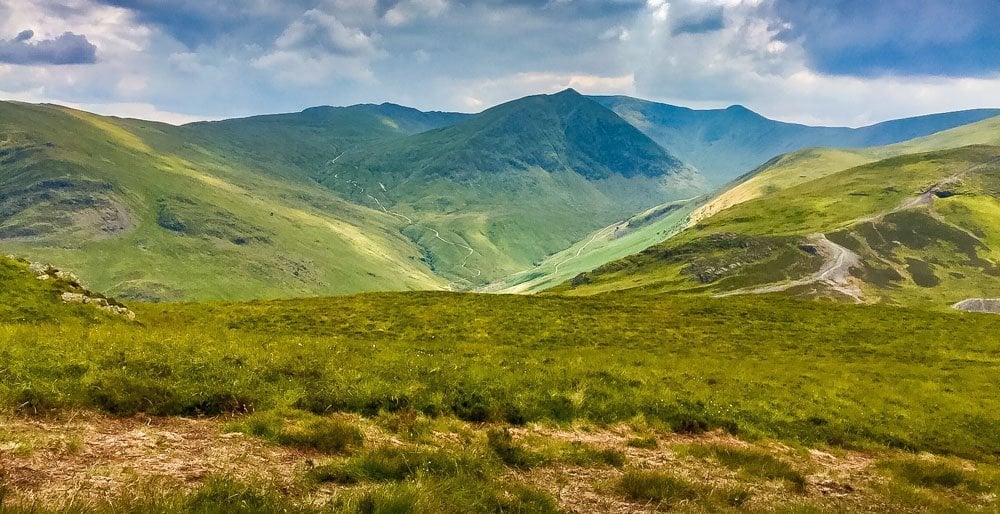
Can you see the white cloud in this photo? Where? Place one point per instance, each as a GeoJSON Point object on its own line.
{"type": "Point", "coordinates": [619, 33]}
{"type": "Point", "coordinates": [308, 69]}
{"type": "Point", "coordinates": [659, 10]}
{"type": "Point", "coordinates": [745, 62]}
{"type": "Point", "coordinates": [317, 47]}
{"type": "Point", "coordinates": [323, 32]}
{"type": "Point", "coordinates": [407, 11]}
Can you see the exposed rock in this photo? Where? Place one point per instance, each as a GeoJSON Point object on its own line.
{"type": "Point", "coordinates": [100, 303]}
{"type": "Point", "coordinates": [989, 305]}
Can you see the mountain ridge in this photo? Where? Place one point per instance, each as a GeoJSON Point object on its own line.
{"type": "Point", "coordinates": [726, 143]}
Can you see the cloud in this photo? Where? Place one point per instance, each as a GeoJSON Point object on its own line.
{"type": "Point", "coordinates": [895, 37]}
{"type": "Point", "coordinates": [320, 31]}
{"type": "Point", "coordinates": [196, 23]}
{"type": "Point", "coordinates": [67, 48]}
{"type": "Point", "coordinates": [408, 10]}
{"type": "Point", "coordinates": [317, 46]}
{"type": "Point", "coordinates": [836, 61]}
{"type": "Point", "coordinates": [699, 21]}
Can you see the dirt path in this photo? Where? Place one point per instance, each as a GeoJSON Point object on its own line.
{"type": "Point", "coordinates": [584, 247]}
{"type": "Point", "coordinates": [835, 273]}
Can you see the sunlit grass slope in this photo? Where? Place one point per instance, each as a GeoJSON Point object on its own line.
{"type": "Point", "coordinates": [447, 402]}
{"type": "Point", "coordinates": [137, 211]}
{"type": "Point", "coordinates": [604, 245]}
{"type": "Point", "coordinates": [804, 371]}
{"type": "Point", "coordinates": [922, 224]}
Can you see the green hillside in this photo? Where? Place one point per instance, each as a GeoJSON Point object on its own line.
{"type": "Point", "coordinates": [513, 184]}
{"type": "Point", "coordinates": [138, 211]}
{"type": "Point", "coordinates": [726, 143]}
{"type": "Point", "coordinates": [917, 228]}
{"type": "Point", "coordinates": [329, 200]}
{"type": "Point", "coordinates": [604, 245]}
{"type": "Point", "coordinates": [299, 145]}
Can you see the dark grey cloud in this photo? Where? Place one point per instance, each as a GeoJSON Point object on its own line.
{"type": "Point", "coordinates": [68, 48]}
{"type": "Point", "coordinates": [200, 22]}
{"type": "Point", "coordinates": [699, 21]}
{"type": "Point", "coordinates": [896, 37]}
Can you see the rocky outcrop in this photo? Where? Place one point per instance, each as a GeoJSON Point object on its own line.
{"type": "Point", "coordinates": [989, 305]}
{"type": "Point", "coordinates": [101, 303]}
{"type": "Point", "coordinates": [75, 292]}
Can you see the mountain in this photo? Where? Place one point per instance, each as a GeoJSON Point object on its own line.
{"type": "Point", "coordinates": [912, 223]}
{"type": "Point", "coordinates": [141, 210]}
{"type": "Point", "coordinates": [726, 143]}
{"type": "Point", "coordinates": [504, 188]}
{"type": "Point", "coordinates": [338, 200]}
{"type": "Point", "coordinates": [330, 200]}
{"type": "Point", "coordinates": [298, 145]}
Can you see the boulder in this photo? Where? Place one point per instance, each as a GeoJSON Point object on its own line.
{"type": "Point", "coordinates": [989, 305]}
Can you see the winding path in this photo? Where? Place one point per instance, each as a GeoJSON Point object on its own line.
{"type": "Point", "coordinates": [834, 274]}
{"type": "Point", "coordinates": [584, 247]}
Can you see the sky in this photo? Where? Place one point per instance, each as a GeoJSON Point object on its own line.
{"type": "Point", "coordinates": [830, 62]}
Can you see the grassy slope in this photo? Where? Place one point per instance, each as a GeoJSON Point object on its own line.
{"type": "Point", "coordinates": [601, 383]}
{"type": "Point", "coordinates": [806, 192]}
{"type": "Point", "coordinates": [604, 245]}
{"type": "Point", "coordinates": [134, 206]}
{"type": "Point", "coordinates": [818, 370]}
{"type": "Point", "coordinates": [298, 145]}
{"type": "Point", "coordinates": [811, 163]}
{"type": "Point", "coordinates": [97, 195]}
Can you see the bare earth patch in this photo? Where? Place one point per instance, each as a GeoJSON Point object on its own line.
{"type": "Point", "coordinates": [92, 457]}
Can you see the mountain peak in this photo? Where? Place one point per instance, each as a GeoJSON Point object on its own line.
{"type": "Point", "coordinates": [568, 92]}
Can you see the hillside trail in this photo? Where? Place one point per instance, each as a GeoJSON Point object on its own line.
{"type": "Point", "coordinates": [927, 196]}
{"type": "Point", "coordinates": [599, 234]}
{"type": "Point", "coordinates": [835, 273]}
{"type": "Point", "coordinates": [476, 272]}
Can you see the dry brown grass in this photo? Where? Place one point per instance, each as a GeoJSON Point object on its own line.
{"type": "Point", "coordinates": [96, 458]}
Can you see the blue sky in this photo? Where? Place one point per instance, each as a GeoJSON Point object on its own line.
{"type": "Point", "coordinates": [848, 62]}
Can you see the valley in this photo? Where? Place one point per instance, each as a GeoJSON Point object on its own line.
{"type": "Point", "coordinates": [334, 200]}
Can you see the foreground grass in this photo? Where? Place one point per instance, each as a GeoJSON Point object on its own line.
{"type": "Point", "coordinates": [807, 372]}
{"type": "Point", "coordinates": [409, 462]}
